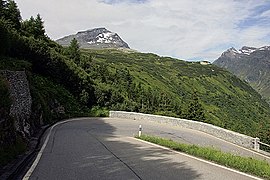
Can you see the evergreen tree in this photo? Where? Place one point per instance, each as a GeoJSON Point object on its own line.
{"type": "Point", "coordinates": [39, 27]}
{"type": "Point", "coordinates": [28, 27]}
{"type": "Point", "coordinates": [2, 8]}
{"type": "Point", "coordinates": [4, 36]}
{"type": "Point", "coordinates": [74, 51]}
{"type": "Point", "coordinates": [12, 13]}
{"type": "Point", "coordinates": [34, 27]}
{"type": "Point", "coordinates": [195, 109]}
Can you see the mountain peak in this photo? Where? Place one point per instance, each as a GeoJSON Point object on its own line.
{"type": "Point", "coordinates": [97, 30]}
{"type": "Point", "coordinates": [232, 49]}
{"type": "Point", "coordinates": [95, 38]}
{"type": "Point", "coordinates": [247, 50]}
{"type": "Point", "coordinates": [231, 52]}
{"type": "Point", "coordinates": [250, 64]}
{"type": "Point", "coordinates": [244, 51]}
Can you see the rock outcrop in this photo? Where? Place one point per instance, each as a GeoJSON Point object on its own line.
{"type": "Point", "coordinates": [95, 39]}
{"type": "Point", "coordinates": [249, 64]}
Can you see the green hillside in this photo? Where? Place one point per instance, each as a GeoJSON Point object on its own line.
{"type": "Point", "coordinates": [162, 85]}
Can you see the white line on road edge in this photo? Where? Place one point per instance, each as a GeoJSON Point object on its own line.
{"type": "Point", "coordinates": [202, 160]}
{"type": "Point", "coordinates": [241, 147]}
{"type": "Point", "coordinates": [35, 163]}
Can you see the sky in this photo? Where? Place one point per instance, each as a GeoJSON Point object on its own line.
{"type": "Point", "coordinates": [191, 30]}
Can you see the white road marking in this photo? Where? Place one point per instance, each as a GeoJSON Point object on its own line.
{"type": "Point", "coordinates": [241, 147]}
{"type": "Point", "coordinates": [35, 163]}
{"type": "Point", "coordinates": [202, 160]}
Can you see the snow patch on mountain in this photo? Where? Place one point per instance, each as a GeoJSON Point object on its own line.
{"type": "Point", "coordinates": [264, 48]}
{"type": "Point", "coordinates": [95, 38]}
{"type": "Point", "coordinates": [245, 50]}
{"type": "Point", "coordinates": [234, 50]}
{"type": "Point", "coordinates": [106, 37]}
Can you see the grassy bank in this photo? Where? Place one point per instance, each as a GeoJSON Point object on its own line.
{"type": "Point", "coordinates": [247, 165]}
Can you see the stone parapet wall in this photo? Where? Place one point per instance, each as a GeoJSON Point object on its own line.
{"type": "Point", "coordinates": [230, 136]}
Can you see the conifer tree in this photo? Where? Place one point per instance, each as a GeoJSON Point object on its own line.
{"type": "Point", "coordinates": [34, 27]}
{"type": "Point", "coordinates": [28, 27]}
{"type": "Point", "coordinates": [195, 109]}
{"type": "Point", "coordinates": [12, 13]}
{"type": "Point", "coordinates": [39, 27]}
{"type": "Point", "coordinates": [4, 36]}
{"type": "Point", "coordinates": [2, 7]}
{"type": "Point", "coordinates": [74, 51]}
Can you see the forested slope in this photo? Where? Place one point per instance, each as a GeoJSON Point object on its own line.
{"type": "Point", "coordinates": [145, 82]}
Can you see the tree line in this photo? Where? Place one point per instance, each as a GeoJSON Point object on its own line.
{"type": "Point", "coordinates": [92, 84]}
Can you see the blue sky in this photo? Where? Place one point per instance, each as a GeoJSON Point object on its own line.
{"type": "Point", "coordinates": [257, 16]}
{"type": "Point", "coordinates": [185, 29]}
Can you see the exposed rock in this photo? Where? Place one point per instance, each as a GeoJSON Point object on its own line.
{"type": "Point", "coordinates": [95, 38]}
{"type": "Point", "coordinates": [249, 64]}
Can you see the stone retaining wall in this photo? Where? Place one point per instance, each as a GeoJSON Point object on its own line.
{"type": "Point", "coordinates": [21, 100]}
{"type": "Point", "coordinates": [236, 138]}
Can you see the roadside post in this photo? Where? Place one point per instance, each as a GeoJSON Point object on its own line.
{"type": "Point", "coordinates": [140, 130]}
{"type": "Point", "coordinates": [256, 144]}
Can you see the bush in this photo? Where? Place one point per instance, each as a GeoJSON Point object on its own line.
{"type": "Point", "coordinates": [97, 111]}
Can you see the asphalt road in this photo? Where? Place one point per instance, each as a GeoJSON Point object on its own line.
{"type": "Point", "coordinates": [105, 149]}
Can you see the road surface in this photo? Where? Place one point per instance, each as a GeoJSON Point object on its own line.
{"type": "Point", "coordinates": [95, 148]}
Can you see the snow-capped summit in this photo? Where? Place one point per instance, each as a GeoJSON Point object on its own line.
{"type": "Point", "coordinates": [251, 65]}
{"type": "Point", "coordinates": [247, 50]}
{"type": "Point", "coordinates": [95, 38]}
{"type": "Point", "coordinates": [104, 38]}
{"type": "Point", "coordinates": [233, 50]}
{"type": "Point", "coordinates": [264, 48]}
{"type": "Point", "coordinates": [230, 52]}
{"type": "Point", "coordinates": [244, 51]}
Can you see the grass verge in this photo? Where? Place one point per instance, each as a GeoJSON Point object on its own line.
{"type": "Point", "coordinates": [244, 164]}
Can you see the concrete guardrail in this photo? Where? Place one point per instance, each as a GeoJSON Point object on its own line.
{"type": "Point", "coordinates": [230, 136]}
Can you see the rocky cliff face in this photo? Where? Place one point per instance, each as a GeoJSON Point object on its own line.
{"type": "Point", "coordinates": [250, 64]}
{"type": "Point", "coordinates": [95, 38]}
{"type": "Point", "coordinates": [22, 118]}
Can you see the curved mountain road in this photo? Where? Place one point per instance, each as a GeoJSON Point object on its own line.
{"type": "Point", "coordinates": [104, 148]}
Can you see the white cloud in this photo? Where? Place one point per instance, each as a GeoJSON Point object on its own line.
{"type": "Point", "coordinates": [265, 14]}
{"type": "Point", "coordinates": [184, 29]}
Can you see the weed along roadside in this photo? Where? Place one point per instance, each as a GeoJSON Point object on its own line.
{"type": "Point", "coordinates": [243, 164]}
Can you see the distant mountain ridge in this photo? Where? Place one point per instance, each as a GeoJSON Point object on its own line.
{"type": "Point", "coordinates": [97, 38]}
{"type": "Point", "coordinates": [250, 64]}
